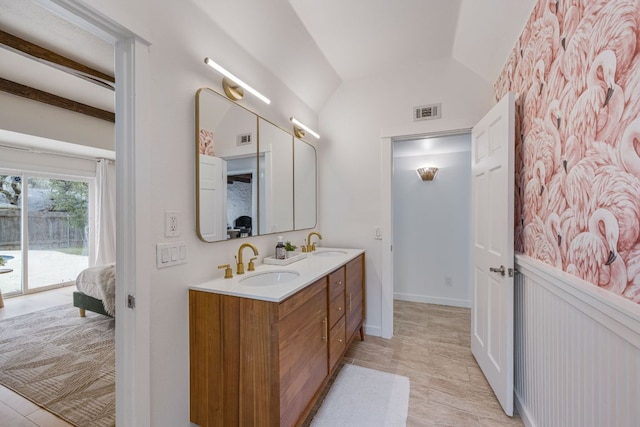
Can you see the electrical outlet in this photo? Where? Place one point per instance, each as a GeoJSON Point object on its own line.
{"type": "Point", "coordinates": [171, 224]}
{"type": "Point", "coordinates": [448, 281]}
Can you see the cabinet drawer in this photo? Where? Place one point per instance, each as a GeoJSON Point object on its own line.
{"type": "Point", "coordinates": [336, 283]}
{"type": "Point", "coordinates": [337, 343]}
{"type": "Point", "coordinates": [336, 309]}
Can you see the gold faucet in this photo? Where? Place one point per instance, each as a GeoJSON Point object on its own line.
{"type": "Point", "coordinates": [240, 265]}
{"type": "Point", "coordinates": [312, 247]}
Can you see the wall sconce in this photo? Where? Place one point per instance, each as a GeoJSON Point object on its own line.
{"type": "Point", "coordinates": [234, 87]}
{"type": "Point", "coordinates": [427, 174]}
{"type": "Point", "coordinates": [299, 128]}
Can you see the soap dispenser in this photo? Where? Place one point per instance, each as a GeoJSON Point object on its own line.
{"type": "Point", "coordinates": [281, 253]}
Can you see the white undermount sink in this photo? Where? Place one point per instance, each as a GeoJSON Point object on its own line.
{"type": "Point", "coordinates": [329, 253]}
{"type": "Point", "coordinates": [269, 278]}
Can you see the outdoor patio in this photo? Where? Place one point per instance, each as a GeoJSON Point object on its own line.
{"type": "Point", "coordinates": [46, 267]}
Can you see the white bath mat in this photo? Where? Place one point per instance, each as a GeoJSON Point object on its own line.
{"type": "Point", "coordinates": [365, 397]}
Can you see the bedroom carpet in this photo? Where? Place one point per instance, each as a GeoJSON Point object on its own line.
{"type": "Point", "coordinates": [364, 397]}
{"type": "Point", "coordinates": [62, 362]}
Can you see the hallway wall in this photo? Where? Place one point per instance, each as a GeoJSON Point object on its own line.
{"type": "Point", "coordinates": [432, 229]}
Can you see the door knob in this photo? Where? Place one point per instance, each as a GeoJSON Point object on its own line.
{"type": "Point", "coordinates": [500, 270]}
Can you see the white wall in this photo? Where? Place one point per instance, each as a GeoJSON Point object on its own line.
{"type": "Point", "coordinates": [181, 36]}
{"type": "Point", "coordinates": [349, 155]}
{"type": "Point", "coordinates": [431, 230]}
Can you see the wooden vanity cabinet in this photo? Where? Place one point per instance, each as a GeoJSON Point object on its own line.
{"type": "Point", "coordinates": [256, 363]}
{"type": "Point", "coordinates": [303, 354]}
{"type": "Point", "coordinates": [261, 363]}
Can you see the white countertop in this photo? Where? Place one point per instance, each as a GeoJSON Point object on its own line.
{"type": "Point", "coordinates": [310, 269]}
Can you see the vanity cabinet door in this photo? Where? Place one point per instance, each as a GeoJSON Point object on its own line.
{"type": "Point", "coordinates": [354, 295]}
{"type": "Point", "coordinates": [337, 343]}
{"type": "Point", "coordinates": [304, 337]}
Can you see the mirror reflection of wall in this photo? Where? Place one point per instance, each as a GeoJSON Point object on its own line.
{"type": "Point", "coordinates": [304, 185]}
{"type": "Point", "coordinates": [276, 171]}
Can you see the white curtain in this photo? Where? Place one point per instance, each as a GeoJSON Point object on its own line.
{"type": "Point", "coordinates": [105, 235]}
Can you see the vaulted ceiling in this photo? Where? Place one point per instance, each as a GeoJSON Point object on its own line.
{"type": "Point", "coordinates": [312, 46]}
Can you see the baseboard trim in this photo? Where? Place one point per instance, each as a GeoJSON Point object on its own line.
{"type": "Point", "coordinates": [374, 331]}
{"type": "Point", "coordinates": [453, 302]}
{"type": "Point", "coordinates": [524, 414]}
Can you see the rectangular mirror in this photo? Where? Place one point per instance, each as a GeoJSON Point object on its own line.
{"type": "Point", "coordinates": [252, 176]}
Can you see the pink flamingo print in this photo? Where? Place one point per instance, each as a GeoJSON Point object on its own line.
{"type": "Point", "coordinates": [630, 148]}
{"type": "Point", "coordinates": [535, 197]}
{"type": "Point", "coordinates": [619, 193]}
{"type": "Point", "coordinates": [597, 111]}
{"type": "Point", "coordinates": [614, 29]}
{"type": "Point", "coordinates": [593, 255]}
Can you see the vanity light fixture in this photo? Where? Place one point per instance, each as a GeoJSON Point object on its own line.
{"type": "Point", "coordinates": [232, 85]}
{"type": "Point", "coordinates": [299, 128]}
{"type": "Point", "coordinates": [427, 173]}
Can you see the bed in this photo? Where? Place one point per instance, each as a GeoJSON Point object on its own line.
{"type": "Point", "coordinates": [96, 290]}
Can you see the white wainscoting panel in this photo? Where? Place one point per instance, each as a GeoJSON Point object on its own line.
{"type": "Point", "coordinates": [577, 351]}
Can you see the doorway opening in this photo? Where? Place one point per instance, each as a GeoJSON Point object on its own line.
{"type": "Point", "coordinates": [406, 146]}
{"type": "Point", "coordinates": [431, 221]}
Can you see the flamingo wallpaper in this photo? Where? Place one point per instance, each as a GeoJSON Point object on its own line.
{"type": "Point", "coordinates": [575, 71]}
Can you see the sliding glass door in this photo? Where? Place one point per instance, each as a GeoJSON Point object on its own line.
{"type": "Point", "coordinates": [44, 239]}
{"type": "Point", "coordinates": [10, 234]}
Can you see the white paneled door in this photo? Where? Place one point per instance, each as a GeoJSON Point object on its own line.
{"type": "Point", "coordinates": [492, 157]}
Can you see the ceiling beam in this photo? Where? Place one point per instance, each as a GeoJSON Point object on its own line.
{"type": "Point", "coordinates": [53, 59]}
{"type": "Point", "coordinates": [55, 100]}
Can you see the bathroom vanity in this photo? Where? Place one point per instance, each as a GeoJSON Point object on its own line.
{"type": "Point", "coordinates": [263, 345]}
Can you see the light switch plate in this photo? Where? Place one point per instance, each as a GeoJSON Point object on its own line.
{"type": "Point", "coordinates": [170, 254]}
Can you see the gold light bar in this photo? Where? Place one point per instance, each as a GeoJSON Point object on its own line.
{"type": "Point", "coordinates": [236, 80]}
{"type": "Point", "coordinates": [299, 124]}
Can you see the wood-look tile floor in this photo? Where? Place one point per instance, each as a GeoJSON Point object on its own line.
{"type": "Point", "coordinates": [431, 346]}
{"type": "Point", "coordinates": [15, 410]}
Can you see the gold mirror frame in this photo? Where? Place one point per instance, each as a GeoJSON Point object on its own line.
{"type": "Point", "coordinates": [310, 196]}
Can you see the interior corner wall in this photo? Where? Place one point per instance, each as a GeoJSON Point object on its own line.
{"type": "Point", "coordinates": [432, 229]}
{"type": "Point", "coordinates": [353, 123]}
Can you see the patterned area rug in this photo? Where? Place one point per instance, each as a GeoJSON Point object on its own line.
{"type": "Point", "coordinates": [63, 363]}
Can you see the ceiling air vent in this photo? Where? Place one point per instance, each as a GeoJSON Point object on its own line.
{"type": "Point", "coordinates": [427, 112]}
